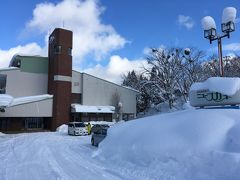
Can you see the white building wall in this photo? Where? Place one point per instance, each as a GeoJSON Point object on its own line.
{"type": "Point", "coordinates": [76, 82]}
{"type": "Point", "coordinates": [35, 109]}
{"type": "Point", "coordinates": [95, 92]}
{"type": "Point", "coordinates": [25, 84]}
{"type": "Point", "coordinates": [98, 92]}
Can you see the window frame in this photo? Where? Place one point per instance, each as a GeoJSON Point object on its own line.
{"type": "Point", "coordinates": [57, 49]}
{"type": "Point", "coordinates": [69, 51]}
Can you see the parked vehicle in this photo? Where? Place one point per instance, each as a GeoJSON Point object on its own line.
{"type": "Point", "coordinates": [99, 134]}
{"type": "Point", "coordinates": [77, 128]}
{"type": "Point", "coordinates": [98, 127]}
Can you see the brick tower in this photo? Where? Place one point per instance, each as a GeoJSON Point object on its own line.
{"type": "Point", "coordinates": [60, 75]}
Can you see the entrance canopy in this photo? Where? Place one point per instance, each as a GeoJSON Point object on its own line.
{"type": "Point", "coordinates": [78, 108]}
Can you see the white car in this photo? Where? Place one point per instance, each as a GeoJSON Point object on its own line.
{"type": "Point", "coordinates": [77, 128]}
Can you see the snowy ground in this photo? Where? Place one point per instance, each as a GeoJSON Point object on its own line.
{"type": "Point", "coordinates": [199, 144]}
{"type": "Point", "coordinates": [50, 156]}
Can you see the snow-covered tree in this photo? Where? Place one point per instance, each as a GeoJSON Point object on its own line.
{"type": "Point", "coordinates": [172, 72]}
{"type": "Point", "coordinates": [164, 67]}
{"type": "Point", "coordinates": [131, 79]}
{"type": "Point", "coordinates": [191, 71]}
{"type": "Point", "coordinates": [211, 67]}
{"type": "Point", "coordinates": [231, 66]}
{"type": "Point", "coordinates": [138, 82]}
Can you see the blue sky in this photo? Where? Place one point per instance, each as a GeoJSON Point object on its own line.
{"type": "Point", "coordinates": [110, 36]}
{"type": "Point", "coordinates": [154, 22]}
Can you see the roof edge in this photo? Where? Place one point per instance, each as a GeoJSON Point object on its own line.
{"type": "Point", "coordinates": [129, 88]}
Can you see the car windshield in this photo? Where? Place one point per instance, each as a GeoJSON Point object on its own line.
{"type": "Point", "coordinates": [105, 125]}
{"type": "Point", "coordinates": [79, 125]}
{"type": "Point", "coordinates": [104, 132]}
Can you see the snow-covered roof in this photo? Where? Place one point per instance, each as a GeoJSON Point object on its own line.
{"type": "Point", "coordinates": [92, 109]}
{"type": "Point", "coordinates": [8, 68]}
{"type": "Point", "coordinates": [29, 99]}
{"type": "Point", "coordinates": [5, 100]}
{"type": "Point", "coordinates": [224, 85]}
{"type": "Point", "coordinates": [8, 101]}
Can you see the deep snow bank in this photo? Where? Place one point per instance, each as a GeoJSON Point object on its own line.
{"type": "Point", "coordinates": [62, 129]}
{"type": "Point", "coordinates": [192, 144]}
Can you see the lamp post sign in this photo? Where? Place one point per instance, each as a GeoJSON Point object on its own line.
{"type": "Point", "coordinates": [227, 26]}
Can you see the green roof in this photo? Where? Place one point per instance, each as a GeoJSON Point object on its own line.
{"type": "Point", "coordinates": [33, 64]}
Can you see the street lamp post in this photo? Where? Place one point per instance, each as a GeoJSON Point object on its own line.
{"type": "Point", "coordinates": [227, 26]}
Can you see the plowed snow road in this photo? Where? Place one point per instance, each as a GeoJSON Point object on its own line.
{"type": "Point", "coordinates": [50, 156]}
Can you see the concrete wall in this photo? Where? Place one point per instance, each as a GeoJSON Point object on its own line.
{"type": "Point", "coordinates": [97, 91]}
{"type": "Point", "coordinates": [35, 109]}
{"type": "Point", "coordinates": [76, 82]}
{"type": "Point", "coordinates": [25, 84]}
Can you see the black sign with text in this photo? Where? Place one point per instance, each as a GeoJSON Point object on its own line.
{"type": "Point", "coordinates": [212, 96]}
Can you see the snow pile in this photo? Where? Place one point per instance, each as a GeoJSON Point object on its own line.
{"type": "Point", "coordinates": [163, 107]}
{"type": "Point", "coordinates": [233, 139]}
{"type": "Point", "coordinates": [192, 144]}
{"type": "Point", "coordinates": [227, 86]}
{"type": "Point", "coordinates": [208, 23]}
{"type": "Point", "coordinates": [2, 134]}
{"type": "Point", "coordinates": [229, 14]}
{"type": "Point", "coordinates": [63, 129]}
{"type": "Point", "coordinates": [187, 106]}
{"type": "Point", "coordinates": [5, 100]}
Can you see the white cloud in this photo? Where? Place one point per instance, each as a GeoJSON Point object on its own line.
{"type": "Point", "coordinates": [29, 49]}
{"type": "Point", "coordinates": [147, 51]}
{"type": "Point", "coordinates": [230, 55]}
{"type": "Point", "coordinates": [116, 68]}
{"type": "Point", "coordinates": [90, 35]}
{"type": "Point", "coordinates": [185, 21]}
{"type": "Point", "coordinates": [231, 47]}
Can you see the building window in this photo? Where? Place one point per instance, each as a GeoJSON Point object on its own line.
{"type": "Point", "coordinates": [69, 51]}
{"type": "Point", "coordinates": [3, 79]}
{"type": "Point", "coordinates": [57, 49]}
{"type": "Point", "coordinates": [51, 39]}
{"type": "Point", "coordinates": [76, 83]}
